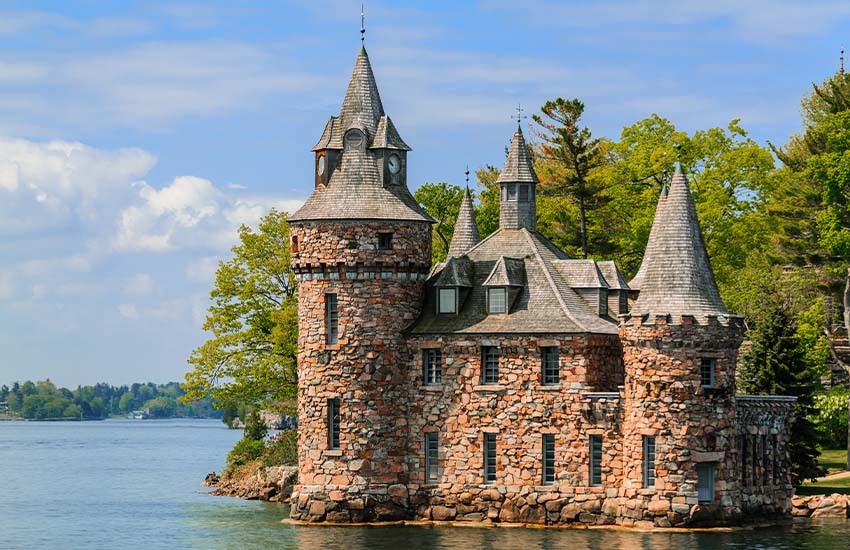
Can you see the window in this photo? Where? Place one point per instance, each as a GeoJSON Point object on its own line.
{"type": "Point", "coordinates": [706, 372]}
{"type": "Point", "coordinates": [745, 478]}
{"type": "Point", "coordinates": [497, 300]}
{"type": "Point", "coordinates": [595, 460]}
{"type": "Point", "coordinates": [331, 319]}
{"type": "Point", "coordinates": [489, 457]}
{"type": "Point", "coordinates": [489, 365]}
{"type": "Point", "coordinates": [333, 423]}
{"type": "Point", "coordinates": [385, 241]}
{"type": "Point", "coordinates": [447, 298]}
{"type": "Point", "coordinates": [603, 301]}
{"type": "Point", "coordinates": [432, 462]}
{"type": "Point", "coordinates": [511, 191]}
{"type": "Point", "coordinates": [548, 459]}
{"type": "Point", "coordinates": [763, 451]}
{"type": "Point", "coordinates": [294, 244]}
{"type": "Point", "coordinates": [551, 366]}
{"type": "Point", "coordinates": [705, 481]}
{"type": "Point", "coordinates": [523, 193]}
{"type": "Point", "coordinates": [774, 453]}
{"type": "Point", "coordinates": [431, 366]}
{"type": "Point", "coordinates": [648, 461]}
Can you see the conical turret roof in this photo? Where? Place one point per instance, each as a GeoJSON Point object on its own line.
{"type": "Point", "coordinates": [651, 243]}
{"type": "Point", "coordinates": [518, 167]}
{"type": "Point", "coordinates": [678, 279]}
{"type": "Point", "coordinates": [466, 230]}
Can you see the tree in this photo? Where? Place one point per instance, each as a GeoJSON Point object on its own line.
{"type": "Point", "coordinates": [253, 318]}
{"type": "Point", "coordinates": [487, 211]}
{"type": "Point", "coordinates": [442, 202]}
{"type": "Point", "coordinates": [574, 155]}
{"type": "Point", "coordinates": [774, 365]}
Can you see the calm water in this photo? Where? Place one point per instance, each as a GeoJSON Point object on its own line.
{"type": "Point", "coordinates": [134, 484]}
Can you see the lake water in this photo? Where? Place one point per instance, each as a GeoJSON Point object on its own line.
{"type": "Point", "coordinates": [135, 484]}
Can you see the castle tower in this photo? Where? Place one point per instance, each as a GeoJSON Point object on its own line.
{"type": "Point", "coordinates": [680, 349]}
{"type": "Point", "coordinates": [361, 251]}
{"type": "Point", "coordinates": [465, 234]}
{"type": "Point", "coordinates": [518, 184]}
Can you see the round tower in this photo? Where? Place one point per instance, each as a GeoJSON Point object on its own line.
{"type": "Point", "coordinates": [680, 349]}
{"type": "Point", "coordinates": [361, 251]}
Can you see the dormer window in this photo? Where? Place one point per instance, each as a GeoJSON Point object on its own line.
{"type": "Point", "coordinates": [446, 300]}
{"type": "Point", "coordinates": [497, 300]}
{"type": "Point", "coordinates": [603, 301]}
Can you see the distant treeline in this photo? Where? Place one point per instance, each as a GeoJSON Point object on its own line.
{"type": "Point", "coordinates": [42, 400]}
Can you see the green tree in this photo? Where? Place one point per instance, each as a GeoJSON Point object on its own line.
{"type": "Point", "coordinates": [253, 319]}
{"type": "Point", "coordinates": [487, 210]}
{"type": "Point", "coordinates": [774, 365]}
{"type": "Point", "coordinates": [161, 407]}
{"type": "Point", "coordinates": [442, 202]}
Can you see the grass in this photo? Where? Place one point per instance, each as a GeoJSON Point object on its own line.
{"type": "Point", "coordinates": [835, 461]}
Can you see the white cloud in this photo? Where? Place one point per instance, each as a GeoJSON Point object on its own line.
{"type": "Point", "coordinates": [128, 311]}
{"type": "Point", "coordinates": [140, 284]}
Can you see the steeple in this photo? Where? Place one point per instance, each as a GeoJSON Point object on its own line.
{"type": "Point", "coordinates": [466, 230]}
{"type": "Point", "coordinates": [677, 278]}
{"type": "Point", "coordinates": [517, 181]}
{"type": "Point", "coordinates": [651, 244]}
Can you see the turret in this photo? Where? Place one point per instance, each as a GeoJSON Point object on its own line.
{"type": "Point", "coordinates": [680, 349]}
{"type": "Point", "coordinates": [518, 182]}
{"type": "Point", "coordinates": [465, 234]}
{"type": "Point", "coordinates": [361, 251]}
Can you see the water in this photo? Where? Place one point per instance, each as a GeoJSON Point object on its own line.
{"type": "Point", "coordinates": [134, 484]}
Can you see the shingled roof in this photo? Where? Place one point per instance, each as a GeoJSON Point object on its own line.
{"type": "Point", "coordinates": [466, 234]}
{"type": "Point", "coordinates": [356, 189]}
{"type": "Point", "coordinates": [651, 244]}
{"type": "Point", "coordinates": [518, 166]}
{"type": "Point", "coordinates": [678, 279]}
{"type": "Point", "coordinates": [545, 303]}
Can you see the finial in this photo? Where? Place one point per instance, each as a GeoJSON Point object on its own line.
{"type": "Point", "coordinates": [841, 62]}
{"type": "Point", "coordinates": [467, 178]}
{"type": "Point", "coordinates": [519, 116]}
{"type": "Point", "coordinates": [362, 24]}
{"type": "Point", "coordinates": [678, 148]}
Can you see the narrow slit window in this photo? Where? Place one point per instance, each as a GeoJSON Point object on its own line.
{"type": "Point", "coordinates": [744, 460]}
{"type": "Point", "coordinates": [294, 247]}
{"type": "Point", "coordinates": [489, 457]}
{"type": "Point", "coordinates": [595, 460]}
{"type": "Point", "coordinates": [432, 462]}
{"type": "Point", "coordinates": [523, 193]}
{"type": "Point", "coordinates": [447, 298]}
{"type": "Point", "coordinates": [648, 461]}
{"type": "Point", "coordinates": [489, 365]}
{"type": "Point", "coordinates": [763, 451]}
{"type": "Point", "coordinates": [331, 319]}
{"type": "Point", "coordinates": [705, 481]}
{"type": "Point", "coordinates": [432, 367]}
{"type": "Point", "coordinates": [706, 372]}
{"type": "Point", "coordinates": [497, 300]}
{"type": "Point", "coordinates": [603, 301]}
{"type": "Point", "coordinates": [333, 423]}
{"type": "Point", "coordinates": [548, 459]}
{"type": "Point", "coordinates": [551, 366]}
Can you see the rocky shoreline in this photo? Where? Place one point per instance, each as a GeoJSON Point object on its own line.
{"type": "Point", "coordinates": [254, 482]}
{"type": "Point", "coordinates": [821, 506]}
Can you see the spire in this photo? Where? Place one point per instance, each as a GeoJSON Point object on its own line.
{"type": "Point", "coordinates": [362, 107]}
{"type": "Point", "coordinates": [518, 206]}
{"type": "Point", "coordinates": [677, 278]}
{"type": "Point", "coordinates": [651, 244]}
{"type": "Point", "coordinates": [518, 167]}
{"type": "Point", "coordinates": [466, 230]}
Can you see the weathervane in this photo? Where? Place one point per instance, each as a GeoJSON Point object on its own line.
{"type": "Point", "coordinates": [362, 24]}
{"type": "Point", "coordinates": [467, 177]}
{"type": "Point", "coordinates": [841, 62]}
{"type": "Point", "coordinates": [519, 116]}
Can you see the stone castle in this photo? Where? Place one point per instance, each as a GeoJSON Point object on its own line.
{"type": "Point", "coordinates": [511, 383]}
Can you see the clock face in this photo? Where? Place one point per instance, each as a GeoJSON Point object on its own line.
{"type": "Point", "coordinates": [320, 167]}
{"type": "Point", "coordinates": [394, 164]}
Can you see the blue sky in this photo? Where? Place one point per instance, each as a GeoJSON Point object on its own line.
{"type": "Point", "coordinates": [135, 137]}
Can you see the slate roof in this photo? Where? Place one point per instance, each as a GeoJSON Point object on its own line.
{"type": "Point", "coordinates": [581, 273]}
{"type": "Point", "coordinates": [613, 278]}
{"type": "Point", "coordinates": [507, 272]}
{"type": "Point", "coordinates": [545, 303]}
{"type": "Point", "coordinates": [356, 189]}
{"type": "Point", "coordinates": [678, 279]}
{"type": "Point", "coordinates": [466, 230]}
{"type": "Point", "coordinates": [651, 244]}
{"type": "Point", "coordinates": [518, 167]}
{"type": "Point", "coordinates": [455, 272]}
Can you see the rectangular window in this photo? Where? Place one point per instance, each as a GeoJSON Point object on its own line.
{"type": "Point", "coordinates": [706, 372]}
{"type": "Point", "coordinates": [331, 319]}
{"type": "Point", "coordinates": [432, 461]}
{"type": "Point", "coordinates": [705, 481]}
{"type": "Point", "coordinates": [603, 301]}
{"type": "Point", "coordinates": [447, 300]}
{"type": "Point", "coordinates": [489, 457]}
{"type": "Point", "coordinates": [595, 460]}
{"type": "Point", "coordinates": [497, 300]}
{"type": "Point", "coordinates": [294, 244]}
{"type": "Point", "coordinates": [551, 366]}
{"type": "Point", "coordinates": [333, 423]}
{"type": "Point", "coordinates": [523, 193]}
{"type": "Point", "coordinates": [489, 365]}
{"type": "Point", "coordinates": [548, 459]}
{"type": "Point", "coordinates": [385, 241]}
{"type": "Point", "coordinates": [432, 366]}
{"type": "Point", "coordinates": [648, 461]}
{"type": "Point", "coordinates": [763, 451]}
{"type": "Point", "coordinates": [511, 191]}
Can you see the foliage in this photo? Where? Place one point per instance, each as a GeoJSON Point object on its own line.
{"type": "Point", "coordinates": [245, 451]}
{"type": "Point", "coordinates": [281, 449]}
{"type": "Point", "coordinates": [775, 365]}
{"type": "Point", "coordinates": [487, 211]}
{"type": "Point", "coordinates": [255, 428]}
{"type": "Point", "coordinates": [251, 357]}
{"type": "Point", "coordinates": [442, 202]}
{"type": "Point", "coordinates": [831, 418]}
{"type": "Point", "coordinates": [43, 400]}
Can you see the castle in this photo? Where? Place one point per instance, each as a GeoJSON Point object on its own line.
{"type": "Point", "coordinates": [511, 383]}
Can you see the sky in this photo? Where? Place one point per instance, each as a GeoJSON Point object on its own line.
{"type": "Point", "coordinates": [137, 136]}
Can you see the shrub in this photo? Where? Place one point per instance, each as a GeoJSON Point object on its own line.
{"type": "Point", "coordinates": [255, 428]}
{"type": "Point", "coordinates": [245, 451]}
{"type": "Point", "coordinates": [831, 418]}
{"type": "Point", "coordinates": [282, 449]}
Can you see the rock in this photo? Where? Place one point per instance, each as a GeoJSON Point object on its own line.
{"type": "Point", "coordinates": [317, 509]}
{"type": "Point", "coordinates": [398, 491]}
{"type": "Point", "coordinates": [442, 513]}
{"type": "Point", "coordinates": [212, 479]}
{"type": "Point", "coordinates": [509, 512]}
{"type": "Point", "coordinates": [570, 512]}
{"type": "Point", "coordinates": [658, 507]}
{"type": "Point", "coordinates": [833, 506]}
{"type": "Point", "coordinates": [273, 483]}
{"type": "Point", "coordinates": [533, 514]}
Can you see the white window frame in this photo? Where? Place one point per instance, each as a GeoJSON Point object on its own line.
{"type": "Point", "coordinates": [497, 290]}
{"type": "Point", "coordinates": [443, 299]}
